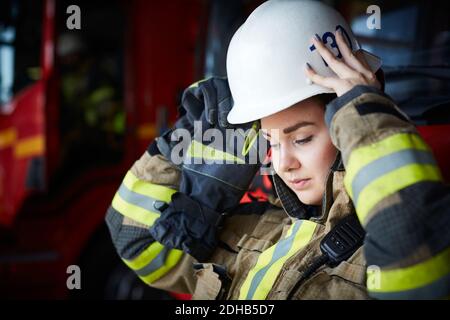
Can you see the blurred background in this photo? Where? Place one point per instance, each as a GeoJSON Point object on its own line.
{"type": "Point", "coordinates": [78, 107]}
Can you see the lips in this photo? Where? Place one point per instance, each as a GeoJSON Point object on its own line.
{"type": "Point", "coordinates": [299, 184]}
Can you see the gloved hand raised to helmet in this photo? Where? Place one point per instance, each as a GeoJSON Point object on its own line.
{"type": "Point", "coordinates": [218, 163]}
{"type": "Point", "coordinates": [218, 160]}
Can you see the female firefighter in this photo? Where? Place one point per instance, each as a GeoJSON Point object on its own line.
{"type": "Point", "coordinates": [180, 227]}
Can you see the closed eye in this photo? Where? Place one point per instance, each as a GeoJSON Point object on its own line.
{"type": "Point", "coordinates": [303, 141]}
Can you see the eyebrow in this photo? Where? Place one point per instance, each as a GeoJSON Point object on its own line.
{"type": "Point", "coordinates": [297, 126]}
{"type": "Point", "coordinates": [292, 128]}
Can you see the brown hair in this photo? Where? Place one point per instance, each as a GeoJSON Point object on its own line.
{"type": "Point", "coordinates": [326, 98]}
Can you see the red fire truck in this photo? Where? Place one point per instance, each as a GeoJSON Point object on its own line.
{"type": "Point", "coordinates": [52, 208]}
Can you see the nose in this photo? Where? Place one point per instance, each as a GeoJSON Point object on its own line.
{"type": "Point", "coordinates": [287, 160]}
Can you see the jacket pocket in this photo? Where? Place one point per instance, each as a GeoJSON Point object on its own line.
{"type": "Point", "coordinates": [343, 282]}
{"type": "Point", "coordinates": [323, 286]}
{"type": "Point", "coordinates": [353, 269]}
{"type": "Point", "coordinates": [251, 243]}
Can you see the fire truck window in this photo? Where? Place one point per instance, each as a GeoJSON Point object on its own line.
{"type": "Point", "coordinates": [414, 44]}
{"type": "Point", "coordinates": [20, 38]}
{"type": "Point", "coordinates": [90, 67]}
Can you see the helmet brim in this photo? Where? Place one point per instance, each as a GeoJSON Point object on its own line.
{"type": "Point", "coordinates": [234, 117]}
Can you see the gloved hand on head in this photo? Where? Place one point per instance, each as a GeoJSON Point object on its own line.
{"type": "Point", "coordinates": [218, 164]}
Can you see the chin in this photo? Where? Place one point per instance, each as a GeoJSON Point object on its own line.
{"type": "Point", "coordinates": [309, 200]}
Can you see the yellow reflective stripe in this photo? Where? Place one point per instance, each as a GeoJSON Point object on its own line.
{"type": "Point", "coordinates": [201, 151]}
{"type": "Point", "coordinates": [145, 257]}
{"type": "Point", "coordinates": [195, 84]}
{"type": "Point", "coordinates": [392, 182]}
{"type": "Point", "coordinates": [386, 164]}
{"type": "Point", "coordinates": [7, 137]}
{"type": "Point", "coordinates": [24, 147]}
{"type": "Point", "coordinates": [148, 255]}
{"type": "Point", "coordinates": [134, 212]}
{"type": "Point", "coordinates": [289, 232]}
{"type": "Point", "coordinates": [250, 139]}
{"type": "Point", "coordinates": [265, 260]}
{"type": "Point", "coordinates": [362, 156]}
{"type": "Point", "coordinates": [173, 258]}
{"type": "Point", "coordinates": [145, 188]}
{"type": "Point", "coordinates": [131, 209]}
{"type": "Point", "coordinates": [412, 277]}
{"type": "Point", "coordinates": [147, 131]}
{"type": "Point", "coordinates": [31, 146]}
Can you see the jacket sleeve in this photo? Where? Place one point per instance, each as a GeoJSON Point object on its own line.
{"type": "Point", "coordinates": [399, 196]}
{"type": "Point", "coordinates": [134, 209]}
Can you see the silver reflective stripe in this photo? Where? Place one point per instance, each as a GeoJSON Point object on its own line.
{"type": "Point", "coordinates": [386, 164]}
{"type": "Point", "coordinates": [281, 249]}
{"type": "Point", "coordinates": [155, 264]}
{"type": "Point", "coordinates": [436, 290]}
{"type": "Point", "coordinates": [145, 202]}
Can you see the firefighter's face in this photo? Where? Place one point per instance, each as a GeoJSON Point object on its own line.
{"type": "Point", "coordinates": [302, 151]}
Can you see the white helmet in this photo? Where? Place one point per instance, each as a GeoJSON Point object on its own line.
{"type": "Point", "coordinates": [267, 55]}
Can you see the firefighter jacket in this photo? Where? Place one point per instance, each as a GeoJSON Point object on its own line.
{"type": "Point", "coordinates": [391, 179]}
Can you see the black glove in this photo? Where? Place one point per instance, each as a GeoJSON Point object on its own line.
{"type": "Point", "coordinates": [208, 100]}
{"type": "Point", "coordinates": [220, 183]}
{"type": "Point", "coordinates": [187, 225]}
{"type": "Point", "coordinates": [207, 190]}
{"type": "Point", "coordinates": [211, 98]}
